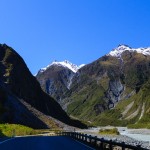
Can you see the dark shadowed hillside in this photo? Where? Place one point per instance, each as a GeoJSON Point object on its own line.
{"type": "Point", "coordinates": [17, 79]}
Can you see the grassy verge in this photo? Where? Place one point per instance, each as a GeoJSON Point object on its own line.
{"type": "Point", "coordinates": [8, 130]}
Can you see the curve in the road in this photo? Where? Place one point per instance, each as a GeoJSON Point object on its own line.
{"type": "Point", "coordinates": [43, 143]}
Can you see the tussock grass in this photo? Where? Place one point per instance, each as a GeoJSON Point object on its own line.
{"type": "Point", "coordinates": [113, 131]}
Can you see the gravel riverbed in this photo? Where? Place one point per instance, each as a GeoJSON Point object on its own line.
{"type": "Point", "coordinates": [126, 135]}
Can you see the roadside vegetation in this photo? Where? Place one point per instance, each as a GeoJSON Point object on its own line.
{"type": "Point", "coordinates": [9, 130]}
{"type": "Point", "coordinates": [113, 131]}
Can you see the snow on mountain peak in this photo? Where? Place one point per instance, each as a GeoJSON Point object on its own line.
{"type": "Point", "coordinates": [65, 64]}
{"type": "Point", "coordinates": [121, 48]}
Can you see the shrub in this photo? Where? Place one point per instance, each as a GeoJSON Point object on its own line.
{"type": "Point", "coordinates": [113, 131]}
{"type": "Point", "coordinates": [16, 130]}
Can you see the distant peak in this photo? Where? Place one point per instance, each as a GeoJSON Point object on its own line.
{"type": "Point", "coordinates": [123, 46]}
{"type": "Point", "coordinates": [4, 45]}
{"type": "Point", "coordinates": [116, 52]}
{"type": "Point", "coordinates": [66, 64]}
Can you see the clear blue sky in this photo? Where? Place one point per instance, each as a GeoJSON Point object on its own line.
{"type": "Point", "coordinates": [77, 30]}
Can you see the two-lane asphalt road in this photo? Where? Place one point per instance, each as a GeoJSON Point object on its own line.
{"type": "Point", "coordinates": [43, 143]}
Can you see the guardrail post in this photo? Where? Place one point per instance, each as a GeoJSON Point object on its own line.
{"type": "Point", "coordinates": [71, 134]}
{"type": "Point", "coordinates": [76, 136]}
{"type": "Point", "coordinates": [79, 136]}
{"type": "Point", "coordinates": [110, 145]}
{"type": "Point", "coordinates": [90, 139]}
{"type": "Point", "coordinates": [102, 143]}
{"type": "Point", "coordinates": [82, 137]}
{"type": "Point", "coordinates": [123, 145]}
{"type": "Point", "coordinates": [85, 137]}
{"type": "Point", "coordinates": [95, 141]}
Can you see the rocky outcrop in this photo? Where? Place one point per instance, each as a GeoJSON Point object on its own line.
{"type": "Point", "coordinates": [114, 92]}
{"type": "Point", "coordinates": [56, 81]}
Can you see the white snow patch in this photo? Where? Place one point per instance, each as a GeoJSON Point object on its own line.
{"type": "Point", "coordinates": [70, 82]}
{"type": "Point", "coordinates": [81, 66]}
{"type": "Point", "coordinates": [122, 48]}
{"type": "Point", "coordinates": [65, 64]}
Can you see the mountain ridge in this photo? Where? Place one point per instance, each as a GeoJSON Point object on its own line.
{"type": "Point", "coordinates": [116, 52]}
{"type": "Point", "coordinates": [99, 87]}
{"type": "Point", "coordinates": [64, 63]}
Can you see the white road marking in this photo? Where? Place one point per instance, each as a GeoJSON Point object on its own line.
{"type": "Point", "coordinates": [6, 140]}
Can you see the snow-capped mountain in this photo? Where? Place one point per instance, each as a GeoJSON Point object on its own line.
{"type": "Point", "coordinates": [98, 89]}
{"type": "Point", "coordinates": [56, 78]}
{"type": "Point", "coordinates": [65, 64]}
{"type": "Point", "coordinates": [122, 48]}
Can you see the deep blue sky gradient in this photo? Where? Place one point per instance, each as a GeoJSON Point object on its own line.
{"type": "Point", "coordinates": [80, 31]}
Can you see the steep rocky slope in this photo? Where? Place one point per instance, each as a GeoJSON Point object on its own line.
{"type": "Point", "coordinates": [110, 90]}
{"type": "Point", "coordinates": [100, 87]}
{"type": "Point", "coordinates": [13, 111]}
{"type": "Point", "coordinates": [56, 78]}
{"type": "Point", "coordinates": [17, 79]}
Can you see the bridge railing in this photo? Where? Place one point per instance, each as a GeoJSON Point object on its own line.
{"type": "Point", "coordinates": [99, 143]}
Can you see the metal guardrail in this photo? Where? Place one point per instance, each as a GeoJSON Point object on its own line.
{"type": "Point", "coordinates": [99, 143]}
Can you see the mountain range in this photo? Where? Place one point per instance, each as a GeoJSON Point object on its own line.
{"type": "Point", "coordinates": [22, 101]}
{"type": "Point", "coordinates": [113, 90]}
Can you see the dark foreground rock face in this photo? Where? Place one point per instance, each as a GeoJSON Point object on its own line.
{"type": "Point", "coordinates": [17, 79]}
